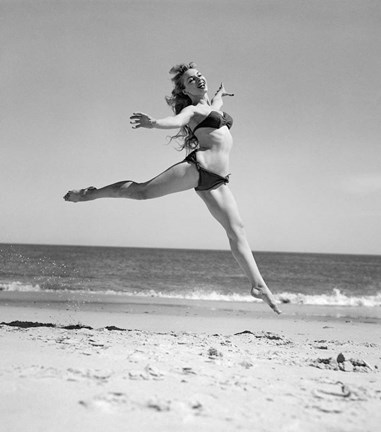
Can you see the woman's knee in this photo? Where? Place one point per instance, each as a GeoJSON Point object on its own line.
{"type": "Point", "coordinates": [236, 231]}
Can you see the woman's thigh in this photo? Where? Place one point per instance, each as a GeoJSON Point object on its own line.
{"type": "Point", "coordinates": [177, 178]}
{"type": "Point", "coordinates": [223, 206]}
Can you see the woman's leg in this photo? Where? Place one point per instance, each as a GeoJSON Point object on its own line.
{"type": "Point", "coordinates": [223, 207]}
{"type": "Point", "coordinates": [177, 178]}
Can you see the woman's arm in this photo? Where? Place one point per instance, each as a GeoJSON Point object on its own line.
{"type": "Point", "coordinates": [217, 102]}
{"type": "Point", "coordinates": [172, 122]}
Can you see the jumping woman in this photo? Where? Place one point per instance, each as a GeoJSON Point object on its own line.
{"type": "Point", "coordinates": [205, 131]}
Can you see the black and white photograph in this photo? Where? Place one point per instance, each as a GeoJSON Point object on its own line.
{"type": "Point", "coordinates": [190, 210]}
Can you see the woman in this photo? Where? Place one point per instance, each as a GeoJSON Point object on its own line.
{"type": "Point", "coordinates": [206, 134]}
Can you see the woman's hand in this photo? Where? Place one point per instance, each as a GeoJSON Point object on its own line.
{"type": "Point", "coordinates": [139, 120]}
{"type": "Point", "coordinates": [222, 92]}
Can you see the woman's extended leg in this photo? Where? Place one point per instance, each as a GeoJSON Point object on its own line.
{"type": "Point", "coordinates": [223, 207]}
{"type": "Point", "coordinates": [177, 178]}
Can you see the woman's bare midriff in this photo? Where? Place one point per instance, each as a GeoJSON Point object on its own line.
{"type": "Point", "coordinates": [214, 149]}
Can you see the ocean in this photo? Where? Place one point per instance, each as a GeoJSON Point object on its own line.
{"type": "Point", "coordinates": [294, 278]}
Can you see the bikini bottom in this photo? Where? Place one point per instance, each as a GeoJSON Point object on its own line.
{"type": "Point", "coordinates": [208, 180]}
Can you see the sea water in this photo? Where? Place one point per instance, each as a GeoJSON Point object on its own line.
{"type": "Point", "coordinates": [295, 278]}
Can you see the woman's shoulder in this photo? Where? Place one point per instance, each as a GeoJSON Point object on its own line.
{"type": "Point", "coordinates": [190, 109]}
{"type": "Point", "coordinates": [197, 111]}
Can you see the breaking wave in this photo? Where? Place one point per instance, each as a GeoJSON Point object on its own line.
{"type": "Point", "coordinates": [335, 298]}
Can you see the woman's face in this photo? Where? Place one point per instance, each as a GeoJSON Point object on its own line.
{"type": "Point", "coordinates": [194, 83]}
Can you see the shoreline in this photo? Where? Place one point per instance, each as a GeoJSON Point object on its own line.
{"type": "Point", "coordinates": [167, 305]}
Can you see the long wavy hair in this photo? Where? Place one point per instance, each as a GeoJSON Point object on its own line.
{"type": "Point", "coordinates": [178, 101]}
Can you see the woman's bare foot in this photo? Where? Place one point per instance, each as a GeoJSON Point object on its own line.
{"type": "Point", "coordinates": [81, 195]}
{"type": "Point", "coordinates": [263, 293]}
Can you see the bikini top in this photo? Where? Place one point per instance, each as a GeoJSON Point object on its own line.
{"type": "Point", "coordinates": [215, 120]}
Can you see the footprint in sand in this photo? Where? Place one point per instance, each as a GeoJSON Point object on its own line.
{"type": "Point", "coordinates": [37, 371]}
{"type": "Point", "coordinates": [116, 401]}
{"type": "Point", "coordinates": [96, 376]}
{"type": "Point", "coordinates": [184, 409]}
{"type": "Point", "coordinates": [110, 401]}
{"type": "Point", "coordinates": [159, 404]}
{"type": "Point", "coordinates": [150, 372]}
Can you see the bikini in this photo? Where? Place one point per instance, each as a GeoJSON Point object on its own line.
{"type": "Point", "coordinates": [207, 179]}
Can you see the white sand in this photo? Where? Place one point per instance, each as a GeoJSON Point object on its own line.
{"type": "Point", "coordinates": [178, 367]}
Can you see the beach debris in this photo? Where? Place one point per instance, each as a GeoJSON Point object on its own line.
{"type": "Point", "coordinates": [278, 339]}
{"type": "Point", "coordinates": [213, 353]}
{"type": "Point", "coordinates": [244, 332]}
{"type": "Point", "coordinates": [320, 344]}
{"type": "Point", "coordinates": [326, 361]}
{"type": "Point", "coordinates": [30, 324]}
{"type": "Point", "coordinates": [27, 324]}
{"type": "Point", "coordinates": [341, 363]}
{"type": "Point", "coordinates": [76, 327]}
{"type": "Point", "coordinates": [113, 328]}
{"type": "Point", "coordinates": [270, 336]}
{"type": "Point", "coordinates": [357, 363]}
{"type": "Point", "coordinates": [266, 335]}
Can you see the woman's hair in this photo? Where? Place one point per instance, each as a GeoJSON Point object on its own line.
{"type": "Point", "coordinates": [178, 101]}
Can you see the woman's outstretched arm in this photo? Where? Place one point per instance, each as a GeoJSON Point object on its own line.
{"type": "Point", "coordinates": [217, 99]}
{"type": "Point", "coordinates": [140, 119]}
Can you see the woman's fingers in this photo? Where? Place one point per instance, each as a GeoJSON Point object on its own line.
{"type": "Point", "coordinates": [223, 91]}
{"type": "Point", "coordinates": [135, 121]}
{"type": "Point", "coordinates": [139, 119]}
{"type": "Point", "coordinates": [136, 116]}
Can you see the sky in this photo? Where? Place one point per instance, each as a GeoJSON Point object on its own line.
{"type": "Point", "coordinates": [306, 162]}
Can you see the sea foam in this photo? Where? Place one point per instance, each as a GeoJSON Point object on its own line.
{"type": "Point", "coordinates": [335, 298]}
{"type": "Point", "coordinates": [19, 287]}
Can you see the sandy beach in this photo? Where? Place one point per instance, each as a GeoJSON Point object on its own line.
{"type": "Point", "coordinates": [166, 365]}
